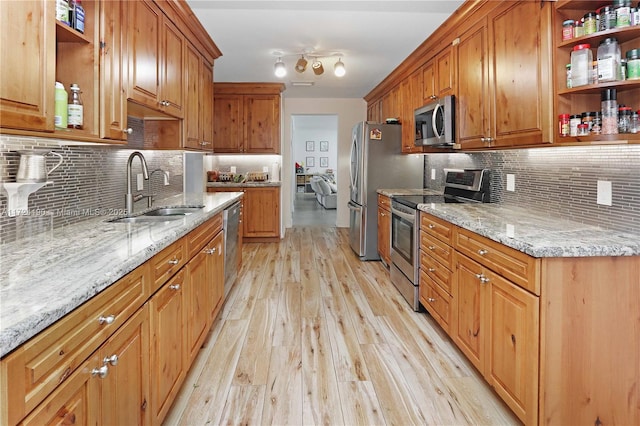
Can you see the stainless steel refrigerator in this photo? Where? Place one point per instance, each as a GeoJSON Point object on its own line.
{"type": "Point", "coordinates": [376, 163]}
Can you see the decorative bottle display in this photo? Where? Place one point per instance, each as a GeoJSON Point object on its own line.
{"type": "Point", "coordinates": [75, 109]}
{"type": "Point", "coordinates": [60, 113]}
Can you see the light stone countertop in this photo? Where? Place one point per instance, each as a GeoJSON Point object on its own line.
{"type": "Point", "coordinates": [242, 184]}
{"type": "Point", "coordinates": [410, 191]}
{"type": "Point", "coordinates": [537, 233]}
{"type": "Point", "coordinates": [44, 277]}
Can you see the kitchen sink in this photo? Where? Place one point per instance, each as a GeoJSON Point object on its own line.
{"type": "Point", "coordinates": [160, 214]}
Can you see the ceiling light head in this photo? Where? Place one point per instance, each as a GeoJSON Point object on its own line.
{"type": "Point", "coordinates": [339, 69]}
{"type": "Point", "coordinates": [279, 69]}
{"type": "Point", "coordinates": [301, 65]}
{"type": "Point", "coordinates": [317, 67]}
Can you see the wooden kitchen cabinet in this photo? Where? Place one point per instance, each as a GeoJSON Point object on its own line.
{"type": "Point", "coordinates": [384, 229]}
{"type": "Point", "coordinates": [113, 70]}
{"type": "Point", "coordinates": [504, 90]}
{"type": "Point", "coordinates": [411, 100]}
{"type": "Point", "coordinates": [247, 118]}
{"type": "Point", "coordinates": [374, 111]}
{"type": "Point", "coordinates": [391, 106]}
{"type": "Point", "coordinates": [438, 76]}
{"type": "Point", "coordinates": [27, 64]}
{"type": "Point", "coordinates": [156, 50]}
{"type": "Point", "coordinates": [198, 123]}
{"type": "Point", "coordinates": [168, 346]}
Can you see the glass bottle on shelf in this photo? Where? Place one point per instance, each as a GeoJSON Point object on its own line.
{"type": "Point", "coordinates": [76, 112]}
{"type": "Point", "coordinates": [609, 112]}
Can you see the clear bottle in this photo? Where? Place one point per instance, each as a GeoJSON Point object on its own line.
{"type": "Point", "coordinates": [624, 119]}
{"type": "Point", "coordinates": [608, 59]}
{"type": "Point", "coordinates": [609, 105]}
{"type": "Point", "coordinates": [581, 64]}
{"type": "Point", "coordinates": [75, 108]}
{"type": "Point", "coordinates": [634, 123]}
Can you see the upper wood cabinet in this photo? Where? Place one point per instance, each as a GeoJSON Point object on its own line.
{"type": "Point", "coordinates": [247, 118]}
{"type": "Point", "coordinates": [27, 74]}
{"type": "Point", "coordinates": [411, 97]}
{"type": "Point", "coordinates": [438, 76]}
{"type": "Point", "coordinates": [504, 89]}
{"type": "Point", "coordinates": [156, 50]}
{"type": "Point", "coordinates": [198, 125]}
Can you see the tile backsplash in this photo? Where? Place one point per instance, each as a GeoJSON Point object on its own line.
{"type": "Point", "coordinates": [558, 181]}
{"type": "Point", "coordinates": [90, 181]}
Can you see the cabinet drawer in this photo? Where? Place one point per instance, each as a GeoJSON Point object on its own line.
{"type": "Point", "coordinates": [436, 301]}
{"type": "Point", "coordinates": [435, 271]}
{"type": "Point", "coordinates": [439, 228]}
{"type": "Point", "coordinates": [40, 365]}
{"type": "Point", "coordinates": [436, 249]}
{"type": "Point", "coordinates": [384, 202]}
{"type": "Point", "coordinates": [514, 265]}
{"type": "Point", "coordinates": [166, 263]}
{"type": "Point", "coordinates": [200, 236]}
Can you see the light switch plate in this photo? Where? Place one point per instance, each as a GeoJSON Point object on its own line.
{"type": "Point", "coordinates": [140, 181]}
{"type": "Point", "coordinates": [511, 182]}
{"type": "Point", "coordinates": [433, 174]}
{"type": "Point", "coordinates": [604, 193]}
{"type": "Point", "coordinates": [232, 169]}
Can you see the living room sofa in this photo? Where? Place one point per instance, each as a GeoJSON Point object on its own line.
{"type": "Point", "coordinates": [324, 186]}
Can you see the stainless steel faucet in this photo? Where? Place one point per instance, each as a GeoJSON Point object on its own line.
{"type": "Point", "coordinates": [129, 198]}
{"type": "Point", "coordinates": [150, 195]}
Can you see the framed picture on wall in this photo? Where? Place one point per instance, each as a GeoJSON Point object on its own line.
{"type": "Point", "coordinates": [324, 146]}
{"type": "Point", "coordinates": [311, 146]}
{"type": "Point", "coordinates": [311, 161]}
{"type": "Point", "coordinates": [324, 161]}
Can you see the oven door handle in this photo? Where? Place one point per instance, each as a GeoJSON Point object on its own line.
{"type": "Point", "coordinates": [408, 217]}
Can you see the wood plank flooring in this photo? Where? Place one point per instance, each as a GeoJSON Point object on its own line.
{"type": "Point", "coordinates": [310, 335]}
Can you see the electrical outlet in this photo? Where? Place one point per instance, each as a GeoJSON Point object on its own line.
{"type": "Point", "coordinates": [232, 169]}
{"type": "Point", "coordinates": [511, 182]}
{"type": "Point", "coordinates": [166, 178]}
{"type": "Point", "coordinates": [140, 181]}
{"type": "Point", "coordinates": [604, 193]}
{"type": "Point", "coordinates": [433, 174]}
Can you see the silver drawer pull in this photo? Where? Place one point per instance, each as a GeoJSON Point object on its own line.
{"type": "Point", "coordinates": [484, 280]}
{"type": "Point", "coordinates": [431, 226]}
{"type": "Point", "coordinates": [210, 251]}
{"type": "Point", "coordinates": [174, 286]}
{"type": "Point", "coordinates": [432, 248]}
{"type": "Point", "coordinates": [106, 320]}
{"type": "Point", "coordinates": [100, 372]}
{"type": "Point", "coordinates": [174, 261]}
{"type": "Point", "coordinates": [113, 359]}
{"type": "Point", "coordinates": [431, 300]}
{"type": "Point", "coordinates": [431, 269]}
{"type": "Point", "coordinates": [482, 252]}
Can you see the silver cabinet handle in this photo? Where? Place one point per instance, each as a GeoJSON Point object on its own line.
{"type": "Point", "coordinates": [174, 286]}
{"type": "Point", "coordinates": [432, 248]}
{"type": "Point", "coordinates": [431, 269]}
{"type": "Point", "coordinates": [113, 360]}
{"type": "Point", "coordinates": [210, 251]}
{"type": "Point", "coordinates": [431, 300]}
{"type": "Point", "coordinates": [173, 262]}
{"type": "Point", "coordinates": [484, 280]}
{"type": "Point", "coordinates": [431, 226]}
{"type": "Point", "coordinates": [482, 252]}
{"type": "Point", "coordinates": [106, 320]}
{"type": "Point", "coordinates": [128, 131]}
{"type": "Point", "coordinates": [100, 372]}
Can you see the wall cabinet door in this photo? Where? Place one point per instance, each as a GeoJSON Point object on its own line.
{"type": "Point", "coordinates": [411, 100]}
{"type": "Point", "coordinates": [172, 48]}
{"type": "Point", "coordinates": [27, 64]}
{"type": "Point", "coordinates": [262, 124]}
{"type": "Point", "coordinates": [197, 288]}
{"type": "Point", "coordinates": [206, 105]}
{"type": "Point", "coordinates": [168, 359]}
{"type": "Point", "coordinates": [228, 123]}
{"type": "Point", "coordinates": [261, 212]}
{"type": "Point", "coordinates": [192, 124]}
{"type": "Point", "coordinates": [438, 76]}
{"type": "Point", "coordinates": [113, 66]}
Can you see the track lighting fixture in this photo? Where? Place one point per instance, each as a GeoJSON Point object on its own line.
{"type": "Point", "coordinates": [302, 62]}
{"type": "Point", "coordinates": [279, 68]}
{"type": "Point", "coordinates": [338, 69]}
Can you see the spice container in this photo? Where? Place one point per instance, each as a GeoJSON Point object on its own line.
{"type": "Point", "coordinates": [634, 124]}
{"type": "Point", "coordinates": [578, 29]}
{"type": "Point", "coordinates": [623, 12]}
{"type": "Point", "coordinates": [587, 118]}
{"type": "Point", "coordinates": [581, 64]}
{"type": "Point", "coordinates": [596, 125]}
{"type": "Point", "coordinates": [590, 23]}
{"type": "Point", "coordinates": [609, 105]}
{"type": "Point", "coordinates": [624, 119]}
{"type": "Point", "coordinates": [574, 121]}
{"type": "Point", "coordinates": [633, 64]}
{"type": "Point", "coordinates": [608, 59]}
{"type": "Point", "coordinates": [568, 76]}
{"type": "Point", "coordinates": [607, 18]}
{"type": "Point", "coordinates": [583, 129]}
{"type": "Point", "coordinates": [563, 125]}
{"type": "Point", "coordinates": [567, 29]}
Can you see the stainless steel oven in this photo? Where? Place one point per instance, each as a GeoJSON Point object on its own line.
{"type": "Point", "coordinates": [461, 186]}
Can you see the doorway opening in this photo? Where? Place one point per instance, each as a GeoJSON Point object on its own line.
{"type": "Point", "coordinates": [314, 140]}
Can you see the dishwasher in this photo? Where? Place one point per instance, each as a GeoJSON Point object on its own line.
{"type": "Point", "coordinates": [231, 224]}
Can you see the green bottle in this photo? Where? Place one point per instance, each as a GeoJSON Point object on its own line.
{"type": "Point", "coordinates": [60, 107]}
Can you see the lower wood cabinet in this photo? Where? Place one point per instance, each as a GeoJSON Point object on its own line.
{"type": "Point", "coordinates": [384, 228]}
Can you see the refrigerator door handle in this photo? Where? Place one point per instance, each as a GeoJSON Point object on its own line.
{"type": "Point", "coordinates": [353, 206]}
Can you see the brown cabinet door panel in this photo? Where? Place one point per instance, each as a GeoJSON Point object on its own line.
{"type": "Point", "coordinates": [228, 123]}
{"type": "Point", "coordinates": [262, 115]}
{"type": "Point", "coordinates": [143, 44]}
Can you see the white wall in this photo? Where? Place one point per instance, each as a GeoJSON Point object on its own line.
{"type": "Point", "coordinates": [349, 112]}
{"type": "Point", "coordinates": [325, 129]}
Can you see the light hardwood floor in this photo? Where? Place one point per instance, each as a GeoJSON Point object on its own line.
{"type": "Point", "coordinates": [311, 335]}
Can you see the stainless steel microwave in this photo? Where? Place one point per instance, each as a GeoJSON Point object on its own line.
{"type": "Point", "coordinates": [435, 123]}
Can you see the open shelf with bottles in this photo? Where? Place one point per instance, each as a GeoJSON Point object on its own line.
{"type": "Point", "coordinates": [587, 98]}
{"type": "Point", "coordinates": [77, 61]}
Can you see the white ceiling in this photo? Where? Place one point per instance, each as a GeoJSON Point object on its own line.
{"type": "Point", "coordinates": [373, 37]}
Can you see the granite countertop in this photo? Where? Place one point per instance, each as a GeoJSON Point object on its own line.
{"type": "Point", "coordinates": [42, 278]}
{"type": "Point", "coordinates": [536, 233]}
{"type": "Point", "coordinates": [410, 191]}
{"type": "Point", "coordinates": [240, 185]}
